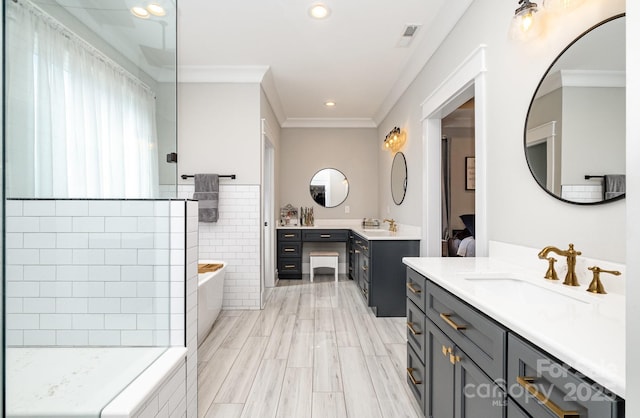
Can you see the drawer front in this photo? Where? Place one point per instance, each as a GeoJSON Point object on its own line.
{"type": "Point", "coordinates": [416, 329]}
{"type": "Point", "coordinates": [416, 376]}
{"type": "Point", "coordinates": [514, 411]}
{"type": "Point", "coordinates": [541, 385]}
{"type": "Point", "coordinates": [330, 235]}
{"type": "Point", "coordinates": [291, 267]}
{"type": "Point", "coordinates": [417, 289]}
{"type": "Point", "coordinates": [482, 339]}
{"type": "Point", "coordinates": [289, 249]}
{"type": "Point", "coordinates": [361, 246]}
{"type": "Point", "coordinates": [289, 235]}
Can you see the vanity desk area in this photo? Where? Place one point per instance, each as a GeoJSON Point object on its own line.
{"type": "Point", "coordinates": [374, 259]}
{"type": "Point", "coordinates": [491, 337]}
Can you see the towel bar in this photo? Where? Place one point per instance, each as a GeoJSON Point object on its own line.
{"type": "Point", "coordinates": [228, 176]}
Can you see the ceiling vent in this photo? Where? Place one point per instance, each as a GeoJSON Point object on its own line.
{"type": "Point", "coordinates": [408, 34]}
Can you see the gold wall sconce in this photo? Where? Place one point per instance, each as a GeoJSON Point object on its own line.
{"type": "Point", "coordinates": [395, 140]}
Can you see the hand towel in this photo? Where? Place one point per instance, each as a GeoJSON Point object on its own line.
{"type": "Point", "coordinates": [206, 193]}
{"type": "Point", "coordinates": [614, 185]}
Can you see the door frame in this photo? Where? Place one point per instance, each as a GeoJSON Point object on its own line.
{"type": "Point", "coordinates": [267, 211]}
{"type": "Point", "coordinates": [467, 81]}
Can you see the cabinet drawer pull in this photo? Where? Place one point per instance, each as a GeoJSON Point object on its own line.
{"type": "Point", "coordinates": [412, 329]}
{"type": "Point", "coordinates": [413, 289]}
{"type": "Point", "coordinates": [289, 250]}
{"type": "Point", "coordinates": [289, 235]}
{"type": "Point", "coordinates": [325, 235]}
{"type": "Point", "coordinates": [413, 379]}
{"type": "Point", "coordinates": [289, 266]}
{"type": "Point", "coordinates": [445, 318]}
{"type": "Point", "coordinates": [454, 359]}
{"type": "Point", "coordinates": [357, 251]}
{"type": "Point", "coordinates": [365, 268]}
{"type": "Point", "coordinates": [527, 383]}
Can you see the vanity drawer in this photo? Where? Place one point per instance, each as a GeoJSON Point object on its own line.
{"type": "Point", "coordinates": [289, 235]}
{"type": "Point", "coordinates": [416, 376]}
{"type": "Point", "coordinates": [329, 235]}
{"type": "Point", "coordinates": [289, 249]}
{"type": "Point", "coordinates": [482, 339]}
{"type": "Point", "coordinates": [416, 328]}
{"type": "Point", "coordinates": [417, 289]}
{"type": "Point", "coordinates": [290, 266]}
{"type": "Point", "coordinates": [559, 388]}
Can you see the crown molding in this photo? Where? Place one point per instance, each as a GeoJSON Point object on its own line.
{"type": "Point", "coordinates": [582, 78]}
{"type": "Point", "coordinates": [222, 73]}
{"type": "Point", "coordinates": [329, 123]}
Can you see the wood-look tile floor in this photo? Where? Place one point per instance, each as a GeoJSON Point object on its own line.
{"type": "Point", "coordinates": [315, 351]}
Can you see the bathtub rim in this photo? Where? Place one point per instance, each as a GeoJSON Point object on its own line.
{"type": "Point", "coordinates": [205, 277]}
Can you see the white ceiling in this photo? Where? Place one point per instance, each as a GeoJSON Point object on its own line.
{"type": "Point", "coordinates": [352, 57]}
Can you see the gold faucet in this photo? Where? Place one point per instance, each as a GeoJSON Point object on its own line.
{"type": "Point", "coordinates": [393, 226]}
{"type": "Point", "coordinates": [571, 279]}
{"type": "Point", "coordinates": [596, 285]}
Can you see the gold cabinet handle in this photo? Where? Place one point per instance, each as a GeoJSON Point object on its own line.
{"type": "Point", "coordinates": [412, 378]}
{"type": "Point", "coordinates": [365, 268]}
{"type": "Point", "coordinates": [325, 235]}
{"type": "Point", "coordinates": [289, 250]}
{"type": "Point", "coordinates": [289, 235]}
{"type": "Point", "coordinates": [413, 289]}
{"type": "Point", "coordinates": [446, 350]}
{"type": "Point", "coordinates": [290, 266]}
{"type": "Point", "coordinates": [445, 318]}
{"type": "Point", "coordinates": [527, 383]}
{"type": "Point", "coordinates": [412, 329]}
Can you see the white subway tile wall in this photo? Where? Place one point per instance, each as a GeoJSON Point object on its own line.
{"type": "Point", "coordinates": [169, 400]}
{"type": "Point", "coordinates": [95, 272]}
{"type": "Point", "coordinates": [583, 193]}
{"type": "Point", "coordinates": [235, 239]}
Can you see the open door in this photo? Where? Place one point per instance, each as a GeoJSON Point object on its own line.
{"type": "Point", "coordinates": [267, 214]}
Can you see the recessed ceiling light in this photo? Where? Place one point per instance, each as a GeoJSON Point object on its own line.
{"type": "Point", "coordinates": [140, 12]}
{"type": "Point", "coordinates": [330, 103]}
{"type": "Point", "coordinates": [156, 10]}
{"type": "Point", "coordinates": [319, 11]}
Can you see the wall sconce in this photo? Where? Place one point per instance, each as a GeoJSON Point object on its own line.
{"type": "Point", "coordinates": [395, 140]}
{"type": "Point", "coordinates": [523, 22]}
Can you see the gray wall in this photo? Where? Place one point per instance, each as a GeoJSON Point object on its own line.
{"type": "Point", "coordinates": [514, 68]}
{"type": "Point", "coordinates": [219, 130]}
{"type": "Point", "coordinates": [304, 151]}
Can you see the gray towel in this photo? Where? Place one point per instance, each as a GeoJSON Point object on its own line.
{"type": "Point", "coordinates": [614, 185]}
{"type": "Point", "coordinates": [206, 193]}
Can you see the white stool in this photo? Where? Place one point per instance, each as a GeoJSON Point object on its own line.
{"type": "Point", "coordinates": [324, 259]}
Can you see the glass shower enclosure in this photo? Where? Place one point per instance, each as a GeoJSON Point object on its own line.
{"type": "Point", "coordinates": [89, 116]}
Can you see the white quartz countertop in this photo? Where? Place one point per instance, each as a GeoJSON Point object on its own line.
{"type": "Point", "coordinates": [403, 233]}
{"type": "Point", "coordinates": [581, 329]}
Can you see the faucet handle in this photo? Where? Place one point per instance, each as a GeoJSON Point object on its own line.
{"type": "Point", "coordinates": [596, 285]}
{"type": "Point", "coordinates": [551, 271]}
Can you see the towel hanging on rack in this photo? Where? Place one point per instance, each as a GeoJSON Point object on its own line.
{"type": "Point", "coordinates": [206, 193]}
{"type": "Point", "coordinates": [614, 185]}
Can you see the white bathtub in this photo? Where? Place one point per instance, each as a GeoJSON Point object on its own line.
{"type": "Point", "coordinates": [210, 291]}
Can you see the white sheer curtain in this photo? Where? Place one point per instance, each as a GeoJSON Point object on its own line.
{"type": "Point", "coordinates": [78, 125]}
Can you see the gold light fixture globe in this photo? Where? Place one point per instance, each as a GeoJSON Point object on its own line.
{"type": "Point", "coordinates": [395, 140]}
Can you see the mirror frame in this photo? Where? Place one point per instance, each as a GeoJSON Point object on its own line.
{"type": "Point", "coordinates": [544, 76]}
{"type": "Point", "coordinates": [404, 182]}
{"type": "Point", "coordinates": [346, 195]}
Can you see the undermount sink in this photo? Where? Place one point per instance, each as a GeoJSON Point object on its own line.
{"type": "Point", "coordinates": [381, 232]}
{"type": "Point", "coordinates": [521, 291]}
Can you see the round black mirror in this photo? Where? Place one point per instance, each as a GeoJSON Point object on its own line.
{"type": "Point", "coordinates": [398, 178]}
{"type": "Point", "coordinates": [574, 136]}
{"type": "Point", "coordinates": [329, 187]}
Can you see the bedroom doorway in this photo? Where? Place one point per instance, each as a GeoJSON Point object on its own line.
{"type": "Point", "coordinates": [458, 181]}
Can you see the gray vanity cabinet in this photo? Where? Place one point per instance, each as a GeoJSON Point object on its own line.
{"type": "Point", "coordinates": [382, 274]}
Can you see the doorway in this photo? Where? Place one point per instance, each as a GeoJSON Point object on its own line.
{"type": "Point", "coordinates": [467, 81]}
{"type": "Point", "coordinates": [267, 214]}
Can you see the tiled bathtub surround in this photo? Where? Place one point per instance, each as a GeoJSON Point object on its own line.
{"type": "Point", "coordinates": [94, 273]}
{"type": "Point", "coordinates": [235, 238]}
